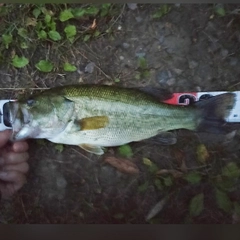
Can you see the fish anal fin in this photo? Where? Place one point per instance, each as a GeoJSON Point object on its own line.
{"type": "Point", "coordinates": [92, 148]}
{"type": "Point", "coordinates": [91, 123]}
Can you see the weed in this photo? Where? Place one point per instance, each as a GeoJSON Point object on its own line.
{"type": "Point", "coordinates": [44, 24]}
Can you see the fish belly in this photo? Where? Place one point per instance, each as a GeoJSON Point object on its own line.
{"type": "Point", "coordinates": [121, 129]}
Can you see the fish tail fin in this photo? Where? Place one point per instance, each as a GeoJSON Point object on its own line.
{"type": "Point", "coordinates": [214, 112]}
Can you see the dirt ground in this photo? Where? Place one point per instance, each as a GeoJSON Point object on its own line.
{"type": "Point", "coordinates": [191, 48]}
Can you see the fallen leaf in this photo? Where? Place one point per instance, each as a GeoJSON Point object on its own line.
{"type": "Point", "coordinates": [180, 160]}
{"type": "Point", "coordinates": [94, 24]}
{"type": "Point", "coordinates": [183, 166]}
{"type": "Point", "coordinates": [156, 209]}
{"type": "Point", "coordinates": [123, 165]}
{"type": "Point", "coordinates": [196, 204]}
{"type": "Point", "coordinates": [202, 153]}
{"type": "Point", "coordinates": [173, 172]}
{"type": "Point", "coordinates": [31, 22]}
{"type": "Point", "coordinates": [152, 167]}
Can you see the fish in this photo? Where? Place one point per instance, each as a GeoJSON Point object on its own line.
{"type": "Point", "coordinates": [94, 117]}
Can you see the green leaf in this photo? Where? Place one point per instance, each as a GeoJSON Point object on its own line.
{"type": "Point", "coordinates": [54, 35]}
{"type": "Point", "coordinates": [3, 11]}
{"type": "Point", "coordinates": [146, 74]}
{"type": "Point", "coordinates": [105, 9]}
{"type": "Point", "coordinates": [41, 142]}
{"type": "Point", "coordinates": [193, 177]}
{"type": "Point", "coordinates": [162, 11]}
{"type": "Point", "coordinates": [220, 11]}
{"type": "Point", "coordinates": [137, 76]}
{"type": "Point", "coordinates": [92, 11]}
{"type": "Point", "coordinates": [236, 208]}
{"type": "Point", "coordinates": [142, 63]}
{"type": "Point", "coordinates": [47, 18]}
{"type": "Point", "coordinates": [158, 184]}
{"type": "Point", "coordinates": [59, 147]}
{"type": "Point", "coordinates": [69, 68]}
{"type": "Point", "coordinates": [196, 205]}
{"type": "Point", "coordinates": [23, 45]}
{"type": "Point", "coordinates": [19, 62]}
{"type": "Point", "coordinates": [96, 33]}
{"type": "Point", "coordinates": [40, 26]}
{"type": "Point", "coordinates": [78, 12]}
{"type": "Point", "coordinates": [70, 31]}
{"type": "Point", "coordinates": [65, 15]}
{"type": "Point", "coordinates": [228, 184]}
{"type": "Point", "coordinates": [231, 170]}
{"type": "Point", "coordinates": [44, 66]}
{"type": "Point", "coordinates": [86, 37]}
{"type": "Point", "coordinates": [223, 201]}
{"type": "Point", "coordinates": [7, 39]}
{"type": "Point", "coordinates": [22, 32]}
{"type": "Point", "coordinates": [36, 12]}
{"type": "Point", "coordinates": [125, 151]}
{"type": "Point", "coordinates": [42, 34]}
{"type": "Point", "coordinates": [52, 25]}
{"type": "Point", "coordinates": [202, 153]}
{"type": "Point", "coordinates": [168, 182]}
{"type": "Point", "coordinates": [143, 187]}
{"type": "Point", "coordinates": [152, 167]}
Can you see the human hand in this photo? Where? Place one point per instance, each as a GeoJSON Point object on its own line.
{"type": "Point", "coordinates": [13, 164]}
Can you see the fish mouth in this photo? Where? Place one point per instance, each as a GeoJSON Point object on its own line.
{"type": "Point", "coordinates": [20, 119]}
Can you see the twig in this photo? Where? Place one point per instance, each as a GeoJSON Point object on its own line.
{"type": "Point", "coordinates": [108, 77]}
{"type": "Point", "coordinates": [24, 209]}
{"type": "Point", "coordinates": [23, 88]}
{"type": "Point", "coordinates": [82, 155]}
{"type": "Point", "coordinates": [118, 16]}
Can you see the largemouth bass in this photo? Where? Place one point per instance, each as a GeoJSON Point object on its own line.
{"type": "Point", "coordinates": [93, 116]}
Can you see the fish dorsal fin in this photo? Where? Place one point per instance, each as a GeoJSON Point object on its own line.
{"type": "Point", "coordinates": [91, 123]}
{"type": "Point", "coordinates": [92, 148]}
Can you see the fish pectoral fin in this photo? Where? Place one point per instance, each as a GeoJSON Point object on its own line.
{"type": "Point", "coordinates": [164, 138]}
{"type": "Point", "coordinates": [92, 148]}
{"type": "Point", "coordinates": [91, 123]}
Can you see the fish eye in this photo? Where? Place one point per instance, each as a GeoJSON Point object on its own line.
{"type": "Point", "coordinates": [30, 102]}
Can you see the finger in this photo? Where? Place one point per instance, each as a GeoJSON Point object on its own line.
{"type": "Point", "coordinates": [21, 167]}
{"type": "Point", "coordinates": [15, 180]}
{"type": "Point", "coordinates": [20, 146]}
{"type": "Point", "coordinates": [11, 158]}
{"type": "Point", "coordinates": [4, 137]}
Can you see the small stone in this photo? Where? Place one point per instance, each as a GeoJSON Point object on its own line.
{"type": "Point", "coordinates": [198, 89]}
{"type": "Point", "coordinates": [233, 61]}
{"type": "Point", "coordinates": [171, 81]}
{"type": "Point", "coordinates": [61, 182]}
{"type": "Point", "coordinates": [224, 53]}
{"type": "Point", "coordinates": [192, 64]}
{"type": "Point", "coordinates": [161, 39]}
{"type": "Point", "coordinates": [163, 76]}
{"type": "Point", "coordinates": [178, 71]}
{"type": "Point", "coordinates": [139, 19]}
{"type": "Point", "coordinates": [126, 45]}
{"type": "Point", "coordinates": [89, 68]}
{"type": "Point", "coordinates": [119, 28]}
{"type": "Point", "coordinates": [140, 54]}
{"type": "Point", "coordinates": [121, 58]}
{"type": "Point", "coordinates": [132, 6]}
